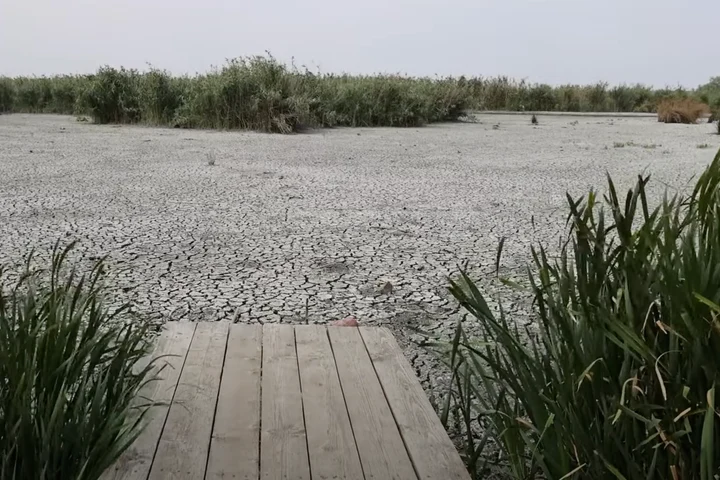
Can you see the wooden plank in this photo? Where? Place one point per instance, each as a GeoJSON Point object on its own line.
{"type": "Point", "coordinates": [331, 444]}
{"type": "Point", "coordinates": [283, 447]}
{"type": "Point", "coordinates": [382, 452]}
{"type": "Point", "coordinates": [135, 462]}
{"type": "Point", "coordinates": [183, 448]}
{"type": "Point", "coordinates": [235, 444]}
{"type": "Point", "coordinates": [430, 448]}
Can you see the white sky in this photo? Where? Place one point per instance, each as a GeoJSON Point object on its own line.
{"type": "Point", "coordinates": [658, 42]}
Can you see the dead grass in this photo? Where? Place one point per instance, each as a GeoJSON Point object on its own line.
{"type": "Point", "coordinates": [681, 110]}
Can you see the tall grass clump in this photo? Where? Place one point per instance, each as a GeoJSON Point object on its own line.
{"type": "Point", "coordinates": [7, 94]}
{"type": "Point", "coordinates": [618, 377]}
{"type": "Point", "coordinates": [113, 96]}
{"type": "Point", "coordinates": [366, 101]}
{"type": "Point", "coordinates": [392, 100]}
{"type": "Point", "coordinates": [681, 110]}
{"type": "Point", "coordinates": [66, 373]}
{"type": "Point", "coordinates": [57, 94]}
{"type": "Point", "coordinates": [264, 94]}
{"type": "Point", "coordinates": [710, 92]}
{"type": "Point", "coordinates": [636, 98]}
{"type": "Point", "coordinates": [597, 97]}
{"type": "Point", "coordinates": [33, 94]}
{"type": "Point", "coordinates": [247, 93]}
{"type": "Point", "coordinates": [63, 94]}
{"type": "Point", "coordinates": [160, 95]}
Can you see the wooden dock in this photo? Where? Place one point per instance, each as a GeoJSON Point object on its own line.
{"type": "Point", "coordinates": [287, 402]}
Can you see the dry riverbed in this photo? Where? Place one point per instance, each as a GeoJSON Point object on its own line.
{"type": "Point", "coordinates": [318, 226]}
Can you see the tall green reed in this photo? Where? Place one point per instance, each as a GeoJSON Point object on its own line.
{"type": "Point", "coordinates": [69, 374]}
{"type": "Point", "coordinates": [618, 376]}
{"type": "Point", "coordinates": [261, 93]}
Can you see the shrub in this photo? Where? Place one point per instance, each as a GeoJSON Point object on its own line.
{"type": "Point", "coordinates": [540, 98]}
{"type": "Point", "coordinates": [711, 91]}
{"type": "Point", "coordinates": [113, 96]}
{"type": "Point", "coordinates": [569, 98]}
{"type": "Point", "coordinates": [715, 114]}
{"type": "Point", "coordinates": [66, 367]}
{"type": "Point", "coordinates": [261, 93]}
{"type": "Point", "coordinates": [500, 93]}
{"type": "Point", "coordinates": [248, 93]}
{"type": "Point", "coordinates": [384, 100]}
{"type": "Point", "coordinates": [63, 95]}
{"type": "Point", "coordinates": [7, 94]}
{"type": "Point", "coordinates": [33, 94]}
{"type": "Point", "coordinates": [618, 376]}
{"type": "Point", "coordinates": [681, 110]}
{"type": "Point", "coordinates": [623, 98]}
{"type": "Point", "coordinates": [598, 97]}
{"type": "Point", "coordinates": [160, 95]}
{"type": "Point", "coordinates": [447, 100]}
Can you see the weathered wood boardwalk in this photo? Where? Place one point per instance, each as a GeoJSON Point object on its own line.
{"type": "Point", "coordinates": [287, 402]}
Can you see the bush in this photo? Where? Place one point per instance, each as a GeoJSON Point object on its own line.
{"type": "Point", "coordinates": [618, 376]}
{"type": "Point", "coordinates": [66, 367]}
{"type": "Point", "coordinates": [624, 98]}
{"type": "Point", "coordinates": [160, 95]}
{"type": "Point", "coordinates": [681, 110]}
{"type": "Point", "coordinates": [261, 93]}
{"type": "Point", "coordinates": [113, 96]}
{"type": "Point", "coordinates": [384, 100]}
{"type": "Point", "coordinates": [64, 93]}
{"type": "Point", "coordinates": [255, 93]}
{"type": "Point", "coordinates": [569, 98]}
{"type": "Point", "coordinates": [711, 91]}
{"type": "Point", "coordinates": [598, 97]}
{"type": "Point", "coordinates": [7, 94]}
{"type": "Point", "coordinates": [33, 94]}
{"type": "Point", "coordinates": [715, 114]}
{"type": "Point", "coordinates": [540, 98]}
{"type": "Point", "coordinates": [40, 94]}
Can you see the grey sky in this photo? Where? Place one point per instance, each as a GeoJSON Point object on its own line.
{"type": "Point", "coordinates": [659, 42]}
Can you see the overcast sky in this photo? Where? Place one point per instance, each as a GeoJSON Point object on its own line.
{"type": "Point", "coordinates": [658, 42]}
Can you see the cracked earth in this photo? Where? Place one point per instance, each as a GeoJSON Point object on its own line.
{"type": "Point", "coordinates": [319, 226]}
